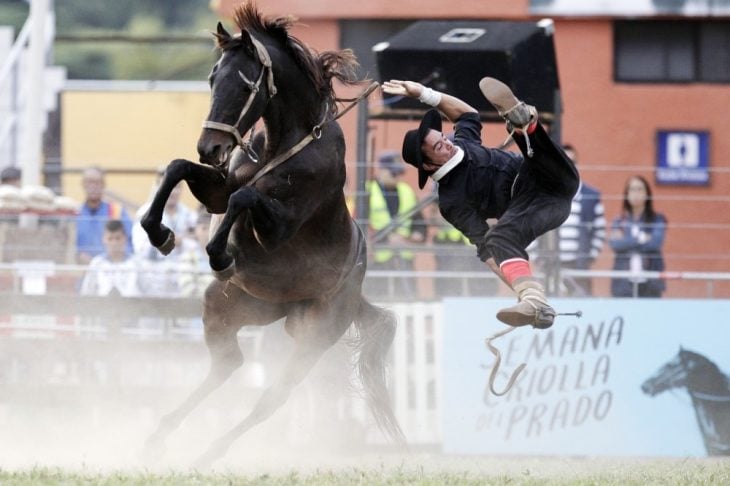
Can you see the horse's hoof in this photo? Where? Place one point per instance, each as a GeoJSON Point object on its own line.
{"type": "Point", "coordinates": [225, 274]}
{"type": "Point", "coordinates": [168, 245]}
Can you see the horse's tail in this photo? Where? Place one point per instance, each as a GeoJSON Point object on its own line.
{"type": "Point", "coordinates": [375, 332]}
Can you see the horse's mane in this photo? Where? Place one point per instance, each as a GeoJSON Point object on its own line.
{"type": "Point", "coordinates": [320, 68]}
{"type": "Point", "coordinates": [706, 363]}
{"type": "Point", "coordinates": [707, 367]}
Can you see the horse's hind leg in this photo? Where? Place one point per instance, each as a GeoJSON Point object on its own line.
{"type": "Point", "coordinates": [206, 183]}
{"type": "Point", "coordinates": [227, 309]}
{"type": "Point", "coordinates": [316, 326]}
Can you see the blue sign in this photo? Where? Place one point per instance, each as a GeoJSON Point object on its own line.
{"type": "Point", "coordinates": [632, 377]}
{"type": "Point", "coordinates": [683, 158]}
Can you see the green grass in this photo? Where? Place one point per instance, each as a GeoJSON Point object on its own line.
{"type": "Point", "coordinates": [431, 471]}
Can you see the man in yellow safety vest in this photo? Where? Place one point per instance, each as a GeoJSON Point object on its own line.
{"type": "Point", "coordinates": [389, 199]}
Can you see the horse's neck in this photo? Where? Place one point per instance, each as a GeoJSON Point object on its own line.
{"type": "Point", "coordinates": [708, 382]}
{"type": "Point", "coordinates": [288, 123]}
{"type": "Point", "coordinates": [710, 416]}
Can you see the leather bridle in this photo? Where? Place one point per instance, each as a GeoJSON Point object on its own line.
{"type": "Point", "coordinates": [315, 133]}
{"type": "Point", "coordinates": [263, 56]}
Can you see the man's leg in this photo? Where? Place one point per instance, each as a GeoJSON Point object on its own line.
{"type": "Point", "coordinates": [495, 268]}
{"type": "Point", "coordinates": [506, 242]}
{"type": "Point", "coordinates": [549, 181]}
{"type": "Point", "coordinates": [557, 172]}
{"type": "Point", "coordinates": [532, 307]}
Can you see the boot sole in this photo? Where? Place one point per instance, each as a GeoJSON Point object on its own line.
{"type": "Point", "coordinates": [518, 319]}
{"type": "Point", "coordinates": [498, 94]}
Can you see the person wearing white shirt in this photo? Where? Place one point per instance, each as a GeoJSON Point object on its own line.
{"type": "Point", "coordinates": [114, 271]}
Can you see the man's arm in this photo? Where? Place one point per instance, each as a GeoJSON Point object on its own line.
{"type": "Point", "coordinates": [451, 106]}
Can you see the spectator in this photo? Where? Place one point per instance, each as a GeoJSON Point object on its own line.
{"type": "Point", "coordinates": [391, 199]}
{"type": "Point", "coordinates": [11, 176]}
{"type": "Point", "coordinates": [114, 270]}
{"type": "Point", "coordinates": [93, 216]}
{"type": "Point", "coordinates": [582, 235]}
{"type": "Point", "coordinates": [159, 277]}
{"type": "Point", "coordinates": [195, 274]}
{"type": "Point", "coordinates": [637, 237]}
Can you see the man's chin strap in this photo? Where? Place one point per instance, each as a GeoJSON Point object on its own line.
{"type": "Point", "coordinates": [449, 165]}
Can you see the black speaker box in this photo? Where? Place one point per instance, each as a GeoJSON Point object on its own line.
{"type": "Point", "coordinates": [452, 56]}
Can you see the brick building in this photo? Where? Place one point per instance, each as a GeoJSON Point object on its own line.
{"type": "Point", "coordinates": [627, 71]}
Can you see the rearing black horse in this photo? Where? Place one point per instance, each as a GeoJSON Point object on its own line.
{"type": "Point", "coordinates": [286, 245]}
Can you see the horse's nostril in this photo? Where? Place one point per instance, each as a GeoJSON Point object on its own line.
{"type": "Point", "coordinates": [208, 152]}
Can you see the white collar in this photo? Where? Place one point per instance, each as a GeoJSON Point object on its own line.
{"type": "Point", "coordinates": [449, 165]}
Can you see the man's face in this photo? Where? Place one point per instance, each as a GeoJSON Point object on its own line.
{"type": "Point", "coordinates": [386, 177]}
{"type": "Point", "coordinates": [93, 184]}
{"type": "Point", "coordinates": [437, 149]}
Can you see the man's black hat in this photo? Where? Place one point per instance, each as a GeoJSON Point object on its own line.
{"type": "Point", "coordinates": [414, 139]}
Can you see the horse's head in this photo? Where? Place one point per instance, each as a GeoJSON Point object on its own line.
{"type": "Point", "coordinates": [261, 61]}
{"type": "Point", "coordinates": [678, 372]}
{"type": "Point", "coordinates": [241, 83]}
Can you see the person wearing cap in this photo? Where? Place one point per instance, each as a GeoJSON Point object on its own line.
{"type": "Point", "coordinates": [93, 215]}
{"type": "Point", "coordinates": [389, 199]}
{"type": "Point", "coordinates": [10, 176]}
{"type": "Point", "coordinates": [529, 194]}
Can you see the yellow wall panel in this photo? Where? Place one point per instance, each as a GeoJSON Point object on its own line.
{"type": "Point", "coordinates": [128, 130]}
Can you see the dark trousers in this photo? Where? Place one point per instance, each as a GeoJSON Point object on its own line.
{"type": "Point", "coordinates": [541, 199]}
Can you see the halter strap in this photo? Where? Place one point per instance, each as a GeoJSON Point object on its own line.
{"type": "Point", "coordinates": [315, 134]}
{"type": "Point", "coordinates": [263, 56]}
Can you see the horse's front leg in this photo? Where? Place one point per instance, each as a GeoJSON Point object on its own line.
{"type": "Point", "coordinates": [221, 262]}
{"type": "Point", "coordinates": [207, 185]}
{"type": "Point", "coordinates": [272, 222]}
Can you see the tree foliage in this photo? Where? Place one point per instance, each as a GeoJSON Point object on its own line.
{"type": "Point", "coordinates": [153, 60]}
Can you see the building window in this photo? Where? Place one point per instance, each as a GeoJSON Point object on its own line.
{"type": "Point", "coordinates": [672, 51]}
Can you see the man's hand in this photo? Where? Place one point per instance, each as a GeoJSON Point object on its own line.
{"type": "Point", "coordinates": [450, 106]}
{"type": "Point", "coordinates": [396, 87]}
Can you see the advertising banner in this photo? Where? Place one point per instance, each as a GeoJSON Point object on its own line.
{"type": "Point", "coordinates": [644, 377]}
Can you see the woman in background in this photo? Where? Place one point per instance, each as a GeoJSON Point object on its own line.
{"type": "Point", "coordinates": [637, 237]}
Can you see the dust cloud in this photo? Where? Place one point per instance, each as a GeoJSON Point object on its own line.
{"type": "Point", "coordinates": [85, 399]}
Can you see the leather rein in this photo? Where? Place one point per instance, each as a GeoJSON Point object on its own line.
{"type": "Point", "coordinates": [315, 134]}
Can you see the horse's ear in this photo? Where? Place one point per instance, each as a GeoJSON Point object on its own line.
{"type": "Point", "coordinates": [222, 37]}
{"type": "Point", "coordinates": [247, 42]}
{"type": "Point", "coordinates": [221, 32]}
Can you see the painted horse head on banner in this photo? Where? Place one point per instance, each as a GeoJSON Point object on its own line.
{"type": "Point", "coordinates": [709, 390]}
{"type": "Point", "coordinates": [286, 245]}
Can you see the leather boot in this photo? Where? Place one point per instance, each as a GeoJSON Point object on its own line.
{"type": "Point", "coordinates": [516, 113]}
{"type": "Point", "coordinates": [531, 308]}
